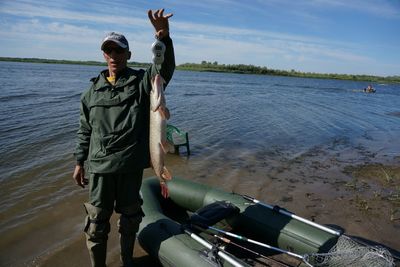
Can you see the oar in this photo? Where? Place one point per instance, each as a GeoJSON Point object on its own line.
{"type": "Point", "coordinates": [294, 216]}
{"type": "Point", "coordinates": [354, 256]}
{"type": "Point", "coordinates": [230, 242]}
{"type": "Point", "coordinates": [302, 258]}
{"type": "Point", "coordinates": [210, 246]}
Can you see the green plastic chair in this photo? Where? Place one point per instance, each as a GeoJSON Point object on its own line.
{"type": "Point", "coordinates": [177, 138]}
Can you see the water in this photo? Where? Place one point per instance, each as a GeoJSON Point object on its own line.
{"type": "Point", "coordinates": [242, 129]}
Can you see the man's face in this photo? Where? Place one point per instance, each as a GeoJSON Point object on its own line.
{"type": "Point", "coordinates": [116, 57]}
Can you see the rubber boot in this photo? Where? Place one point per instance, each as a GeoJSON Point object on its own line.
{"type": "Point", "coordinates": [128, 225]}
{"type": "Point", "coordinates": [127, 245]}
{"type": "Point", "coordinates": [96, 231]}
{"type": "Point", "coordinates": [97, 252]}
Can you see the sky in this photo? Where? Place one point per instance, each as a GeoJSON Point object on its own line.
{"type": "Point", "coordinates": [323, 36]}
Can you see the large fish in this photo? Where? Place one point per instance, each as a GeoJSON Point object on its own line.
{"type": "Point", "coordinates": [159, 114]}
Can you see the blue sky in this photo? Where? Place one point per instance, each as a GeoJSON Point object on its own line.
{"type": "Point", "coordinates": [326, 36]}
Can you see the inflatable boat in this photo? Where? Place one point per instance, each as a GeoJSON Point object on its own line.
{"type": "Point", "coordinates": [196, 226]}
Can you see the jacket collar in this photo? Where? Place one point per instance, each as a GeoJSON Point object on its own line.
{"type": "Point", "coordinates": [127, 76]}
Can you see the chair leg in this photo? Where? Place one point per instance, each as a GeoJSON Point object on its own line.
{"type": "Point", "coordinates": [188, 149]}
{"type": "Point", "coordinates": [176, 149]}
{"type": "Point", "coordinates": [187, 144]}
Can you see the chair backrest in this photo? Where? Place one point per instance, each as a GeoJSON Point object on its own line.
{"type": "Point", "coordinates": [171, 130]}
{"type": "Point", "coordinates": [177, 138]}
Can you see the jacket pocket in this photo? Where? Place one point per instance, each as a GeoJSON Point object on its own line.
{"type": "Point", "coordinates": [98, 145]}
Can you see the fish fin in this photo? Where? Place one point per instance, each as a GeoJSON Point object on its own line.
{"type": "Point", "coordinates": [164, 146]}
{"type": "Point", "coordinates": [161, 78]}
{"type": "Point", "coordinates": [167, 114]}
{"type": "Point", "coordinates": [164, 112]}
{"type": "Point", "coordinates": [166, 175]}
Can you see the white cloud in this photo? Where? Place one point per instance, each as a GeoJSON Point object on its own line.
{"type": "Point", "coordinates": [32, 10]}
{"type": "Point", "coordinates": [79, 34]}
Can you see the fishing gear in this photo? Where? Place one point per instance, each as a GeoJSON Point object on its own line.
{"type": "Point", "coordinates": [230, 242]}
{"type": "Point", "coordinates": [345, 253]}
{"type": "Point", "coordinates": [158, 49]}
{"type": "Point", "coordinates": [214, 213]}
{"type": "Point", "coordinates": [209, 246]}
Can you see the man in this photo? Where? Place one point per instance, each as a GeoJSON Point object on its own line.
{"type": "Point", "coordinates": [113, 138]}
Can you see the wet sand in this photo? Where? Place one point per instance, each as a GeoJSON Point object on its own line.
{"type": "Point", "coordinates": [75, 254]}
{"type": "Point", "coordinates": [337, 184]}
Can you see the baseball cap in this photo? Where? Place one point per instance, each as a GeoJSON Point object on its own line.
{"type": "Point", "coordinates": [117, 38]}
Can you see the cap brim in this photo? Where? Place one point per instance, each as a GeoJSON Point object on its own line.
{"type": "Point", "coordinates": [114, 41]}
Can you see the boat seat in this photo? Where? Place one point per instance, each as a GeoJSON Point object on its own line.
{"type": "Point", "coordinates": [213, 213]}
{"type": "Point", "coordinates": [177, 138]}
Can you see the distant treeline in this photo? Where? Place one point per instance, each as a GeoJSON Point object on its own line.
{"type": "Point", "coordinates": [235, 68]}
{"type": "Point", "coordinates": [58, 61]}
{"type": "Point", "coordinates": [251, 69]}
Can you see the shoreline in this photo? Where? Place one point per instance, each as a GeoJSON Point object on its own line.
{"type": "Point", "coordinates": [234, 68]}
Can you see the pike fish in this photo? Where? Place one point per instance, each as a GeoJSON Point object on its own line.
{"type": "Point", "coordinates": [159, 114]}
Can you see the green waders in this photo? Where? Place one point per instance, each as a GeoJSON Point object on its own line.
{"type": "Point", "coordinates": [106, 193]}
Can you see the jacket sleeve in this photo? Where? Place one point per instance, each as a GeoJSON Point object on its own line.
{"type": "Point", "coordinates": [84, 133]}
{"type": "Point", "coordinates": [167, 67]}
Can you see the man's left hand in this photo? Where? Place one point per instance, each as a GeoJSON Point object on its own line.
{"type": "Point", "coordinates": [160, 22]}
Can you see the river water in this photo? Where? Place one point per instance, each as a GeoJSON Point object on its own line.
{"type": "Point", "coordinates": [287, 141]}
